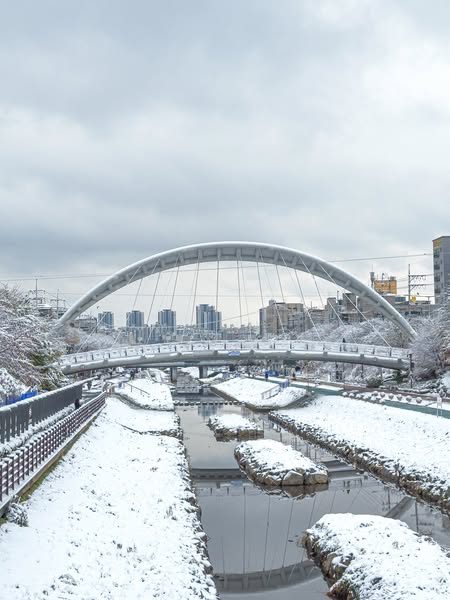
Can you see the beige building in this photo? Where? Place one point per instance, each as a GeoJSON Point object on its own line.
{"type": "Point", "coordinates": [281, 317]}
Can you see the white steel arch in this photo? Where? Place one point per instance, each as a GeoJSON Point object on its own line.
{"type": "Point", "coordinates": [233, 251]}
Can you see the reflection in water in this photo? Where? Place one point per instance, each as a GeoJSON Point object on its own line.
{"type": "Point", "coordinates": [254, 538]}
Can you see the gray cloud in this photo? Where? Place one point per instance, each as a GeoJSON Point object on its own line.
{"type": "Point", "coordinates": [130, 129]}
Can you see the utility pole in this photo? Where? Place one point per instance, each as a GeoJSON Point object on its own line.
{"type": "Point", "coordinates": [415, 282]}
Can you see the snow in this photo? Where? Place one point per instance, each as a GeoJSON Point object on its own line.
{"type": "Point", "coordinates": [157, 375]}
{"type": "Point", "coordinates": [404, 441]}
{"type": "Point", "coordinates": [116, 519]}
{"type": "Point", "coordinates": [144, 421]}
{"type": "Point", "coordinates": [194, 372]}
{"type": "Point", "coordinates": [382, 559]}
{"type": "Point", "coordinates": [217, 377]}
{"type": "Point", "coordinates": [258, 394]}
{"type": "Point", "coordinates": [9, 385]}
{"type": "Point", "coordinates": [273, 462]}
{"type": "Point", "coordinates": [147, 393]}
{"type": "Point", "coordinates": [233, 424]}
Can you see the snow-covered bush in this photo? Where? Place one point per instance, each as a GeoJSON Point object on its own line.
{"type": "Point", "coordinates": [28, 346]}
{"type": "Point", "coordinates": [430, 346]}
{"type": "Point", "coordinates": [17, 513]}
{"type": "Point", "coordinates": [9, 386]}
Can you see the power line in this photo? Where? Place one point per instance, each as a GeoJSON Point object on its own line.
{"type": "Point", "coordinates": [251, 266]}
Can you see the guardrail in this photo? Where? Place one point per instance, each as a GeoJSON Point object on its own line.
{"type": "Point", "coordinates": [273, 391]}
{"type": "Point", "coordinates": [309, 346]}
{"type": "Point", "coordinates": [22, 464]}
{"type": "Point", "coordinates": [17, 418]}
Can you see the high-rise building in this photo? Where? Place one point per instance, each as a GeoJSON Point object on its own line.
{"type": "Point", "coordinates": [135, 318]}
{"type": "Point", "coordinates": [167, 319]}
{"type": "Point", "coordinates": [106, 320]}
{"type": "Point", "coordinates": [441, 268]}
{"type": "Point", "coordinates": [281, 317]}
{"type": "Point", "coordinates": [207, 317]}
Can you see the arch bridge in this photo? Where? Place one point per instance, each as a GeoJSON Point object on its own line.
{"type": "Point", "coordinates": [214, 353]}
{"type": "Point", "coordinates": [211, 354]}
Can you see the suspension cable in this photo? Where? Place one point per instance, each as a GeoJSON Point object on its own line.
{"type": "Point", "coordinates": [308, 314]}
{"type": "Point", "coordinates": [239, 291]}
{"type": "Point", "coordinates": [151, 305]}
{"type": "Point", "coordinates": [361, 313]}
{"type": "Point", "coordinates": [195, 291]}
{"type": "Point", "coordinates": [320, 296]}
{"type": "Point", "coordinates": [271, 291]}
{"type": "Point", "coordinates": [245, 293]}
{"type": "Point", "coordinates": [83, 345]}
{"type": "Point", "coordinates": [217, 299]}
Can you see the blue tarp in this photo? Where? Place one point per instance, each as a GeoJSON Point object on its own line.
{"type": "Point", "coordinates": [24, 396]}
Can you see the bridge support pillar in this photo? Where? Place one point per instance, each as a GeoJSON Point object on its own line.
{"type": "Point", "coordinates": [202, 372]}
{"type": "Point", "coordinates": [173, 374]}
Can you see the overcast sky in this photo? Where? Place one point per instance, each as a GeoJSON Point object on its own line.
{"type": "Point", "coordinates": [128, 128]}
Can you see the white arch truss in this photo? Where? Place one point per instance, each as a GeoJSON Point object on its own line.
{"type": "Point", "coordinates": [236, 251]}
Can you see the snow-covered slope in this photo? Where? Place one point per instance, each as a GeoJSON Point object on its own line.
{"type": "Point", "coordinates": [258, 394]}
{"type": "Point", "coordinates": [413, 447]}
{"type": "Point", "coordinates": [115, 520]}
{"type": "Point", "coordinates": [146, 393]}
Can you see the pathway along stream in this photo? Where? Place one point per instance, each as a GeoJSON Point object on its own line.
{"type": "Point", "coordinates": [254, 538]}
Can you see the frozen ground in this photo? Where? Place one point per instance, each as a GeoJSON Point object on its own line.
{"type": "Point", "coordinates": [258, 394]}
{"type": "Point", "coordinates": [412, 444]}
{"type": "Point", "coordinates": [147, 393]}
{"type": "Point", "coordinates": [375, 558]}
{"type": "Point", "coordinates": [115, 520]}
{"type": "Point", "coordinates": [273, 463]}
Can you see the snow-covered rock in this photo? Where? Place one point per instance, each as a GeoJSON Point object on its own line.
{"type": "Point", "coordinates": [116, 519]}
{"type": "Point", "coordinates": [262, 395]}
{"type": "Point", "coordinates": [273, 463]}
{"type": "Point", "coordinates": [375, 558]}
{"type": "Point", "coordinates": [232, 425]}
{"type": "Point", "coordinates": [406, 447]}
{"type": "Point", "coordinates": [146, 393]}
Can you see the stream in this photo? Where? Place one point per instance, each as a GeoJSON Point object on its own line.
{"type": "Point", "coordinates": [254, 537]}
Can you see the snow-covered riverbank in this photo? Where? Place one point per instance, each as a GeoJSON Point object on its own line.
{"type": "Point", "coordinates": [116, 519]}
{"type": "Point", "coordinates": [375, 558]}
{"type": "Point", "coordinates": [411, 449]}
{"type": "Point", "coordinates": [257, 394]}
{"type": "Point", "coordinates": [146, 393]}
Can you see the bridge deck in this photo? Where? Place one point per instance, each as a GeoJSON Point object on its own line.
{"type": "Point", "coordinates": [216, 353]}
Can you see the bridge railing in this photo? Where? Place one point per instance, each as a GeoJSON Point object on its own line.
{"type": "Point", "coordinates": [189, 347]}
{"type": "Point", "coordinates": [17, 418]}
{"type": "Point", "coordinates": [22, 464]}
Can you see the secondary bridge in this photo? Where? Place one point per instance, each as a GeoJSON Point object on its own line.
{"type": "Point", "coordinates": [216, 353]}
